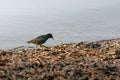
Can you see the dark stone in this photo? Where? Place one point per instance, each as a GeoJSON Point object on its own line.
{"type": "Point", "coordinates": [92, 45]}
{"type": "Point", "coordinates": [117, 52]}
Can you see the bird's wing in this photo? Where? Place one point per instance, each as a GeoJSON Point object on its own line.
{"type": "Point", "coordinates": [39, 39]}
{"type": "Point", "coordinates": [36, 40]}
{"type": "Point", "coordinates": [33, 40]}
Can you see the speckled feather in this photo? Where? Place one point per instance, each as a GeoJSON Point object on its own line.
{"type": "Point", "coordinates": [40, 39]}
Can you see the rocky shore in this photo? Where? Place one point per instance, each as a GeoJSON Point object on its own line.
{"type": "Point", "coordinates": [99, 60]}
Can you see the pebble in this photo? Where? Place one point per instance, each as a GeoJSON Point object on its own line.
{"type": "Point", "coordinates": [75, 61]}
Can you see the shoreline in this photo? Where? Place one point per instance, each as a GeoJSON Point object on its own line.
{"type": "Point", "coordinates": [98, 60]}
{"type": "Point", "coordinates": [12, 46]}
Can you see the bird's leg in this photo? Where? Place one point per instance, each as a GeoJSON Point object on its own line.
{"type": "Point", "coordinates": [40, 46]}
{"type": "Point", "coordinates": [37, 49]}
{"type": "Point", "coordinates": [37, 46]}
{"type": "Point", "coordinates": [44, 46]}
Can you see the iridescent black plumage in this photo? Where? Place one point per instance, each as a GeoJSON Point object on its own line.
{"type": "Point", "coordinates": [41, 39]}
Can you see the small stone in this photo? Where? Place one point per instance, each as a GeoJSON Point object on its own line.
{"type": "Point", "coordinates": [31, 79]}
{"type": "Point", "coordinates": [117, 52]}
{"type": "Point", "coordinates": [92, 45]}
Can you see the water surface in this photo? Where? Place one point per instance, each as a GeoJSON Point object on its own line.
{"type": "Point", "coordinates": [68, 21]}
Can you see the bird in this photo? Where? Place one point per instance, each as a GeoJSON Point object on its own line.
{"type": "Point", "coordinates": [41, 39]}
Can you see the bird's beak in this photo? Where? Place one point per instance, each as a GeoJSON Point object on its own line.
{"type": "Point", "coordinates": [52, 38]}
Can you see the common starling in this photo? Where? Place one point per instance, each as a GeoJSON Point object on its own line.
{"type": "Point", "coordinates": [41, 39]}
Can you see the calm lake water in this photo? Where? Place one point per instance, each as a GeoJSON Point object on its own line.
{"type": "Point", "coordinates": [68, 21]}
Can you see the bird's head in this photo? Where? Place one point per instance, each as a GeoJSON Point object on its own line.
{"type": "Point", "coordinates": [49, 35]}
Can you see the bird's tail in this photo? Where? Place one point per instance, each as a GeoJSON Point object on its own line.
{"type": "Point", "coordinates": [28, 42]}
